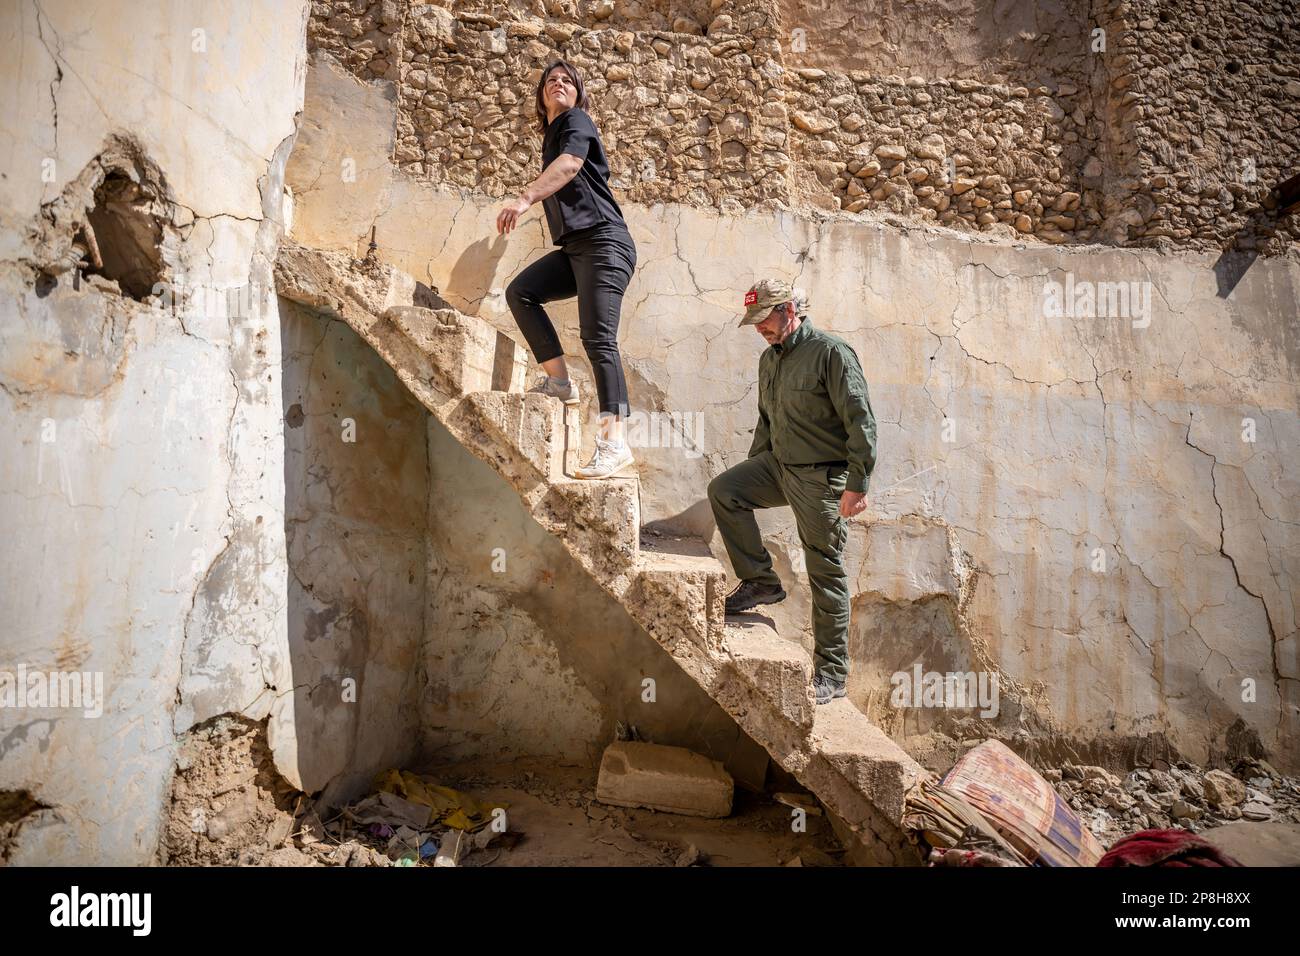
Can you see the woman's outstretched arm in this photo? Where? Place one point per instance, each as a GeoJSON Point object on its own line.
{"type": "Point", "coordinates": [553, 177]}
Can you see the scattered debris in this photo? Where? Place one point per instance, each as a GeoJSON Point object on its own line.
{"type": "Point", "coordinates": [1181, 795]}
{"type": "Point", "coordinates": [689, 856]}
{"type": "Point", "coordinates": [450, 807]}
{"type": "Point", "coordinates": [799, 801]}
{"type": "Point", "coordinates": [811, 856]}
{"type": "Point", "coordinates": [384, 808]}
{"type": "Point", "coordinates": [944, 821]}
{"type": "Point", "coordinates": [624, 731]}
{"type": "Point", "coordinates": [451, 848]}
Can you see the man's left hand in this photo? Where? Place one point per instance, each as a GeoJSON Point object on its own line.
{"type": "Point", "coordinates": [852, 503]}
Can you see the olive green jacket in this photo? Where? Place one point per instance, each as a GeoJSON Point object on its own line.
{"type": "Point", "coordinates": [813, 405]}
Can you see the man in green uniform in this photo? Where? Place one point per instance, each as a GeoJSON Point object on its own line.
{"type": "Point", "coordinates": [814, 449]}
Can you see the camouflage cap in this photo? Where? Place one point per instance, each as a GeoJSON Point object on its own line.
{"type": "Point", "coordinates": [764, 296]}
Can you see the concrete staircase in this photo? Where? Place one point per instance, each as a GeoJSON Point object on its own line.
{"type": "Point", "coordinates": [472, 378]}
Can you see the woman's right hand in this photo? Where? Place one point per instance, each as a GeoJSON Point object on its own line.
{"type": "Point", "coordinates": [508, 218]}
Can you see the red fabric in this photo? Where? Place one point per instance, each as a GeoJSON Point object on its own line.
{"type": "Point", "coordinates": [1165, 848]}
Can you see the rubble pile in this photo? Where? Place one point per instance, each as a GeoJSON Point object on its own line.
{"type": "Point", "coordinates": [1177, 795]}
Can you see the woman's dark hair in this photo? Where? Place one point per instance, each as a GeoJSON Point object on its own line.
{"type": "Point", "coordinates": [583, 102]}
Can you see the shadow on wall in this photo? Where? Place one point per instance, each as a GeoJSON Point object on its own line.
{"type": "Point", "coordinates": [466, 285]}
{"type": "Point", "coordinates": [356, 480]}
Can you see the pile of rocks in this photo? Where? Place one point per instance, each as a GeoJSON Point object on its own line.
{"type": "Point", "coordinates": [1177, 795]}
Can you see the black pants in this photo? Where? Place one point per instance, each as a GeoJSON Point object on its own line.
{"type": "Point", "coordinates": [595, 265]}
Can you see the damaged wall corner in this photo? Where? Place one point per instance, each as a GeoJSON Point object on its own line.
{"type": "Point", "coordinates": [145, 429]}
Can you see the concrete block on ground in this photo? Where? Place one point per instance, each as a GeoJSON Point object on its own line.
{"type": "Point", "coordinates": [672, 779]}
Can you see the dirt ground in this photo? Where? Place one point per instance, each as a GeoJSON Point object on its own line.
{"type": "Point", "coordinates": [230, 807]}
{"type": "Point", "coordinates": [554, 808]}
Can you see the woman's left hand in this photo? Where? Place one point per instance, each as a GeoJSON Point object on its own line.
{"type": "Point", "coordinates": [508, 218]}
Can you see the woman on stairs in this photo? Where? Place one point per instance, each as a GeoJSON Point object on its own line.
{"type": "Point", "coordinates": [594, 261]}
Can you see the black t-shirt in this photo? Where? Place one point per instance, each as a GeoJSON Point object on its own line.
{"type": "Point", "coordinates": [585, 200]}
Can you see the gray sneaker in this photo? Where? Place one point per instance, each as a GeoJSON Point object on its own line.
{"type": "Point", "coordinates": [608, 461]}
{"type": "Point", "coordinates": [545, 385]}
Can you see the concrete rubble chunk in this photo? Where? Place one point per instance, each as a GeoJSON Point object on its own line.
{"type": "Point", "coordinates": [672, 779]}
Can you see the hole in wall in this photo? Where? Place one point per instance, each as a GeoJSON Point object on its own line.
{"type": "Point", "coordinates": [16, 808]}
{"type": "Point", "coordinates": [45, 284]}
{"type": "Point", "coordinates": [128, 235]}
{"type": "Point", "coordinates": [1233, 66]}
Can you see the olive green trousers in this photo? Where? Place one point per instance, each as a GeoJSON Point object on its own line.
{"type": "Point", "coordinates": [813, 494]}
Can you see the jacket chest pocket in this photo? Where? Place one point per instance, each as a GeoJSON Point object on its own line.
{"type": "Point", "coordinates": [803, 390]}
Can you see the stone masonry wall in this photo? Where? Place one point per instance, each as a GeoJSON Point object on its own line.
{"type": "Point", "coordinates": [1085, 125]}
{"type": "Point", "coordinates": [1211, 94]}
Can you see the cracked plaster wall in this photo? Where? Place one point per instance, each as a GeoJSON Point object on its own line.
{"type": "Point", "coordinates": [1070, 435]}
{"type": "Point", "coordinates": [142, 486]}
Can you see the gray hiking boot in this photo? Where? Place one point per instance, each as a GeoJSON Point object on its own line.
{"type": "Point", "coordinates": [826, 689]}
{"type": "Point", "coordinates": [749, 594]}
{"type": "Point", "coordinates": [565, 393]}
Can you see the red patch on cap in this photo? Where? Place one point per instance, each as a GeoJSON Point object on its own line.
{"type": "Point", "coordinates": [751, 297]}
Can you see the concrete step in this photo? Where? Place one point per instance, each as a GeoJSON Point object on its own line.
{"type": "Point", "coordinates": [864, 756]}
{"type": "Point", "coordinates": [598, 520]}
{"type": "Point", "coordinates": [469, 354]}
{"type": "Point", "coordinates": [678, 596]}
{"type": "Point", "coordinates": [529, 425]}
{"type": "Point", "coordinates": [778, 669]}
